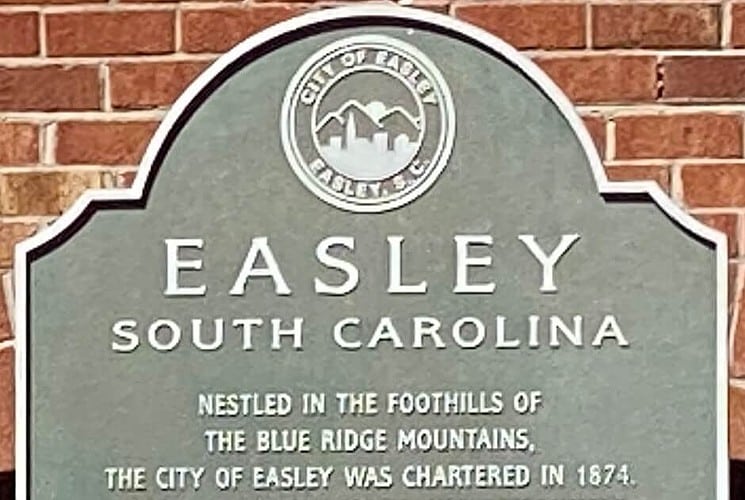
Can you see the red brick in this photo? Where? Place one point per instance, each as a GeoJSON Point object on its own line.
{"type": "Point", "coordinates": [546, 26]}
{"type": "Point", "coordinates": [7, 408]}
{"type": "Point", "coordinates": [5, 329]}
{"type": "Point", "coordinates": [680, 135]}
{"type": "Point", "coordinates": [19, 143]}
{"type": "Point", "coordinates": [604, 78]}
{"type": "Point", "coordinates": [43, 193]}
{"type": "Point", "coordinates": [714, 185]}
{"type": "Point", "coordinates": [726, 223]}
{"type": "Point", "coordinates": [147, 85]}
{"type": "Point", "coordinates": [103, 33]}
{"type": "Point", "coordinates": [596, 127]}
{"type": "Point", "coordinates": [125, 179]}
{"type": "Point", "coordinates": [20, 34]}
{"type": "Point", "coordinates": [102, 143]}
{"type": "Point", "coordinates": [217, 30]}
{"type": "Point", "coordinates": [655, 25]}
{"type": "Point", "coordinates": [49, 88]}
{"type": "Point", "coordinates": [10, 234]}
{"type": "Point", "coordinates": [704, 77]}
{"type": "Point", "coordinates": [738, 25]}
{"type": "Point", "coordinates": [737, 423]}
{"type": "Point", "coordinates": [658, 173]}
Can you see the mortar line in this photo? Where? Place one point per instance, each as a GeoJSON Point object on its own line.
{"type": "Point", "coordinates": [588, 25]}
{"type": "Point", "coordinates": [660, 108]}
{"type": "Point", "coordinates": [55, 168]}
{"type": "Point", "coordinates": [50, 144]}
{"type": "Point", "coordinates": [24, 219]}
{"type": "Point", "coordinates": [651, 162]}
{"type": "Point", "coordinates": [717, 211]}
{"type": "Point", "coordinates": [739, 285]}
{"type": "Point", "coordinates": [42, 35]}
{"type": "Point", "coordinates": [97, 115]}
{"type": "Point", "coordinates": [12, 62]}
{"type": "Point", "coordinates": [7, 296]}
{"type": "Point", "coordinates": [177, 30]}
{"type": "Point", "coordinates": [726, 25]}
{"type": "Point", "coordinates": [610, 140]}
{"type": "Point", "coordinates": [676, 184]}
{"type": "Point", "coordinates": [105, 78]}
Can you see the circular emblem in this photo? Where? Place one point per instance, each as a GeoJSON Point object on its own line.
{"type": "Point", "coordinates": [368, 123]}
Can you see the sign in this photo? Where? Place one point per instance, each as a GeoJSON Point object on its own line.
{"type": "Point", "coordinates": [372, 253]}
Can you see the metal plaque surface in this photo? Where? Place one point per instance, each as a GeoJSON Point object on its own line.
{"type": "Point", "coordinates": [372, 253]}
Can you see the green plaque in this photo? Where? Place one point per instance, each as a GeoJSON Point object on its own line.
{"type": "Point", "coordinates": [372, 253]}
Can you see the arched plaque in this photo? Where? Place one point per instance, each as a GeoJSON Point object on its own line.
{"type": "Point", "coordinates": [372, 253]}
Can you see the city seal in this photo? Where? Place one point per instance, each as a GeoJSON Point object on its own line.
{"type": "Point", "coordinates": [368, 123]}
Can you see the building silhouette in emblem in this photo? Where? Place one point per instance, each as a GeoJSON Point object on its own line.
{"type": "Point", "coordinates": [368, 141]}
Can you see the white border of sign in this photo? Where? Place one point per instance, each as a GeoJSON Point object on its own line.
{"type": "Point", "coordinates": [526, 66]}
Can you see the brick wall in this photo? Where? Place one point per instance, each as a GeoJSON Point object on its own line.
{"type": "Point", "coordinates": [661, 86]}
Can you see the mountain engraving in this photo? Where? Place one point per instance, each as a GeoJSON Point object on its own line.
{"type": "Point", "coordinates": [368, 141]}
